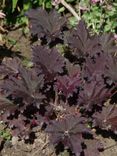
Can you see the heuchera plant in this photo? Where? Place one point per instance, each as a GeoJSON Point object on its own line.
{"type": "Point", "coordinates": [65, 94]}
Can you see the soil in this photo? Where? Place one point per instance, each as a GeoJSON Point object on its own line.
{"type": "Point", "coordinates": [40, 146]}
{"type": "Point", "coordinates": [18, 42]}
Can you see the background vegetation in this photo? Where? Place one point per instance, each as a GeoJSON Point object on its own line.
{"type": "Point", "coordinates": [100, 15]}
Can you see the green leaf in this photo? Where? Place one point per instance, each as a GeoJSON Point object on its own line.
{"type": "Point", "coordinates": [64, 153]}
{"type": "Point", "coordinates": [73, 21]}
{"type": "Point", "coordinates": [26, 6]}
{"type": "Point", "coordinates": [14, 4]}
{"type": "Point", "coordinates": [61, 9]}
{"type": "Point", "coordinates": [69, 1]}
{"type": "Point", "coordinates": [48, 5]}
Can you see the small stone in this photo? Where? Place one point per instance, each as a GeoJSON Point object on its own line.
{"type": "Point", "coordinates": [15, 140]}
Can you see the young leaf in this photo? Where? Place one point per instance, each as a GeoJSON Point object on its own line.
{"type": "Point", "coordinates": [69, 83]}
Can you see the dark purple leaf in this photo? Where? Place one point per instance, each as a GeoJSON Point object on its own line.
{"type": "Point", "coordinates": [95, 68]}
{"type": "Point", "coordinates": [69, 82]}
{"type": "Point", "coordinates": [27, 85]}
{"type": "Point", "coordinates": [5, 103]}
{"type": "Point", "coordinates": [111, 68]}
{"type": "Point", "coordinates": [45, 24]}
{"type": "Point", "coordinates": [81, 42]}
{"type": "Point", "coordinates": [69, 131]}
{"type": "Point", "coordinates": [19, 126]}
{"type": "Point", "coordinates": [10, 66]}
{"type": "Point", "coordinates": [107, 42]}
{"type": "Point", "coordinates": [93, 93]}
{"type": "Point", "coordinates": [48, 60]}
{"type": "Point", "coordinates": [107, 119]}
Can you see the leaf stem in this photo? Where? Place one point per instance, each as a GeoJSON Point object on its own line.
{"type": "Point", "coordinates": [69, 7]}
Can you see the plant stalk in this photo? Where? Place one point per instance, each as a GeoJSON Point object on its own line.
{"type": "Point", "coordinates": [69, 7]}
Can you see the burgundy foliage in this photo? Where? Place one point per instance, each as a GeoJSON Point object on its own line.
{"type": "Point", "coordinates": [47, 60]}
{"type": "Point", "coordinates": [68, 99]}
{"type": "Point", "coordinates": [107, 119]}
{"type": "Point", "coordinates": [49, 26]}
{"type": "Point", "coordinates": [68, 130]}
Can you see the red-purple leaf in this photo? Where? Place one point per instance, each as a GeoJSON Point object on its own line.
{"type": "Point", "coordinates": [69, 83]}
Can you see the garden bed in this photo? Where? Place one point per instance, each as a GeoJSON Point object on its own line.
{"type": "Point", "coordinates": [58, 89]}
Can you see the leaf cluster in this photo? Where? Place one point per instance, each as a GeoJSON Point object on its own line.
{"type": "Point", "coordinates": [63, 94]}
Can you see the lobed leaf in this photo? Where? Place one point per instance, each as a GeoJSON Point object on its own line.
{"type": "Point", "coordinates": [69, 131]}
{"type": "Point", "coordinates": [81, 42]}
{"type": "Point", "coordinates": [48, 60]}
{"type": "Point", "coordinates": [107, 42]}
{"type": "Point", "coordinates": [107, 119]}
{"type": "Point", "coordinates": [93, 94]}
{"type": "Point", "coordinates": [49, 26]}
{"type": "Point", "coordinates": [10, 66]}
{"type": "Point", "coordinates": [27, 85]}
